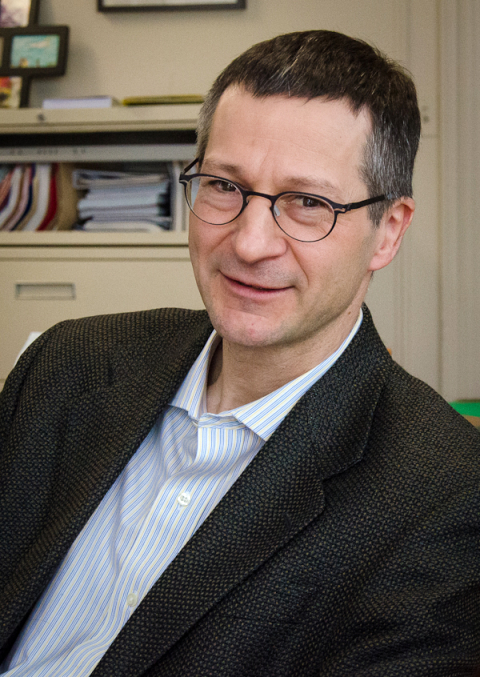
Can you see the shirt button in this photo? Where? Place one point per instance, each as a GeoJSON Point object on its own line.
{"type": "Point", "coordinates": [132, 599]}
{"type": "Point", "coordinates": [184, 498]}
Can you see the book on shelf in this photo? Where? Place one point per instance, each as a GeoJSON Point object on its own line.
{"type": "Point", "coordinates": [168, 99]}
{"type": "Point", "coordinates": [14, 194]}
{"type": "Point", "coordinates": [68, 197]}
{"type": "Point", "coordinates": [81, 102]}
{"type": "Point", "coordinates": [42, 185]}
{"type": "Point", "coordinates": [48, 221]}
{"type": "Point", "coordinates": [25, 201]}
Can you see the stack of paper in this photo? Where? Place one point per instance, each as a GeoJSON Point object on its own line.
{"type": "Point", "coordinates": [123, 200]}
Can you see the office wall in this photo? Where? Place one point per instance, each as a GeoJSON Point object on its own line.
{"type": "Point", "coordinates": [460, 180]}
{"type": "Point", "coordinates": [145, 53]}
{"type": "Point", "coordinates": [142, 53]}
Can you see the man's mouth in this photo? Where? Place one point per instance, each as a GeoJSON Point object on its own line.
{"type": "Point", "coordinates": [256, 287]}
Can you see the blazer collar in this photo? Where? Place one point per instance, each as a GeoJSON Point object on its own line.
{"type": "Point", "coordinates": [101, 430]}
{"type": "Point", "coordinates": [110, 422]}
{"type": "Point", "coordinates": [278, 495]}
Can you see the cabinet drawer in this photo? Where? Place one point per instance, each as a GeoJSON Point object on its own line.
{"type": "Point", "coordinates": [35, 294]}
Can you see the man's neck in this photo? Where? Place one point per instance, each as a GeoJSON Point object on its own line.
{"type": "Point", "coordinates": [238, 376]}
{"type": "Point", "coordinates": [242, 374]}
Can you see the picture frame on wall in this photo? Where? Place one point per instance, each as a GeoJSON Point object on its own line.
{"type": "Point", "coordinates": [15, 13]}
{"type": "Point", "coordinates": [34, 50]}
{"type": "Point", "coordinates": [136, 5]}
{"type": "Point", "coordinates": [14, 90]}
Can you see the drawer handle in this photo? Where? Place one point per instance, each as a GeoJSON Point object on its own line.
{"type": "Point", "coordinates": [42, 291]}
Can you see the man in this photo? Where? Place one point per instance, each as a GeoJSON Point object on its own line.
{"type": "Point", "coordinates": [277, 497]}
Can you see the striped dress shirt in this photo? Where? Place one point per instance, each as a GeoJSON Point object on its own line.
{"type": "Point", "coordinates": [180, 472]}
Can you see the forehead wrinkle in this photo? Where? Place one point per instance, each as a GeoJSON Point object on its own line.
{"type": "Point", "coordinates": [305, 184]}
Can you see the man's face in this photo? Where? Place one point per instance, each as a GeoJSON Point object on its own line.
{"type": "Point", "coordinates": [260, 287]}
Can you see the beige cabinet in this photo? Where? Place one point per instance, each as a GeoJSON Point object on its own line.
{"type": "Point", "coordinates": [47, 277]}
{"type": "Point", "coordinates": [44, 284]}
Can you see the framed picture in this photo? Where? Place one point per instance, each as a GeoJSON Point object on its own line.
{"type": "Point", "coordinates": [15, 13]}
{"type": "Point", "coordinates": [14, 91]}
{"type": "Point", "coordinates": [34, 50]}
{"type": "Point", "coordinates": [134, 5]}
{"type": "Point", "coordinates": [10, 92]}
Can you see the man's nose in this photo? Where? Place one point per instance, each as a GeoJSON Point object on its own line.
{"type": "Point", "coordinates": [257, 235]}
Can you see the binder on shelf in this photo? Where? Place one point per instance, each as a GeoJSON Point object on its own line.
{"type": "Point", "coordinates": [24, 201]}
{"type": "Point", "coordinates": [42, 187]}
{"type": "Point", "coordinates": [5, 183]}
{"type": "Point", "coordinates": [80, 102]}
{"type": "Point", "coordinates": [13, 195]}
{"type": "Point", "coordinates": [32, 202]}
{"type": "Point", "coordinates": [48, 221]}
{"type": "Point", "coordinates": [67, 198]}
{"type": "Point", "coordinates": [162, 100]}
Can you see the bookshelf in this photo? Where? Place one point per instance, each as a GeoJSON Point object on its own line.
{"type": "Point", "coordinates": [46, 277]}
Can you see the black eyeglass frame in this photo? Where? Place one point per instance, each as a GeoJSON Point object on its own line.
{"type": "Point", "coordinates": [337, 208]}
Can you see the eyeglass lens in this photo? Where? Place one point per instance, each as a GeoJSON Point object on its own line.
{"type": "Point", "coordinates": [300, 216]}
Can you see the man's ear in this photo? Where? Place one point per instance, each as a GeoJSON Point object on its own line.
{"type": "Point", "coordinates": [390, 232]}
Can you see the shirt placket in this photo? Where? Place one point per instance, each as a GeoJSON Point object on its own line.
{"type": "Point", "coordinates": [165, 526]}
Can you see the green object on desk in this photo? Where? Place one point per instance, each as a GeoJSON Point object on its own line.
{"type": "Point", "coordinates": [467, 407]}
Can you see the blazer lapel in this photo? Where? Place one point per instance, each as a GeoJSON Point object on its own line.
{"type": "Point", "coordinates": [278, 495]}
{"type": "Point", "coordinates": [103, 429]}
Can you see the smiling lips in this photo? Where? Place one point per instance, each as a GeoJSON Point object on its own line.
{"type": "Point", "coordinates": [254, 287]}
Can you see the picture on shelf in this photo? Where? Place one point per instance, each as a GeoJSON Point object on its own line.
{"type": "Point", "coordinates": [10, 90]}
{"type": "Point", "coordinates": [113, 5]}
{"type": "Point", "coordinates": [35, 51]}
{"type": "Point", "coordinates": [14, 13]}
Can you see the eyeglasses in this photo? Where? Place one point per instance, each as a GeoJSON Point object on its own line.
{"type": "Point", "coordinates": [302, 216]}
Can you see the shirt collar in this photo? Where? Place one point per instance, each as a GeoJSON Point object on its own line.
{"type": "Point", "coordinates": [262, 416]}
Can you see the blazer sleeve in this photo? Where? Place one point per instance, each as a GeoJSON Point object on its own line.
{"type": "Point", "coordinates": [419, 614]}
{"type": "Point", "coordinates": [16, 380]}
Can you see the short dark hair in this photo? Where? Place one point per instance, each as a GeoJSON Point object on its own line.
{"type": "Point", "coordinates": [319, 63]}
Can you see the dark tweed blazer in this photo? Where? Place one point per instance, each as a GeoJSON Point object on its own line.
{"type": "Point", "coordinates": [349, 547]}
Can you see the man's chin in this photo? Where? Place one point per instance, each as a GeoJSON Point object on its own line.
{"type": "Point", "coordinates": [250, 331]}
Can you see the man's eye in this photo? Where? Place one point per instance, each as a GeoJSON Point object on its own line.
{"type": "Point", "coordinates": [308, 202]}
{"type": "Point", "coordinates": [304, 202]}
{"type": "Point", "coordinates": [223, 186]}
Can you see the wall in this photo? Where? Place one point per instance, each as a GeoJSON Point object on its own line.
{"type": "Point", "coordinates": [460, 179]}
{"type": "Point", "coordinates": [145, 53]}
{"type": "Point", "coordinates": [141, 53]}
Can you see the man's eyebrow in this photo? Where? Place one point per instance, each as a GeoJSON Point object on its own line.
{"type": "Point", "coordinates": [220, 168]}
{"type": "Point", "coordinates": [312, 184]}
{"type": "Point", "coordinates": [304, 184]}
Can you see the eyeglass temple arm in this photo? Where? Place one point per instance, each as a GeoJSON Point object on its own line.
{"type": "Point", "coordinates": [364, 203]}
{"type": "Point", "coordinates": [188, 168]}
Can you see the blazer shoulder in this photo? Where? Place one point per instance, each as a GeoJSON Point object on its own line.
{"type": "Point", "coordinates": [103, 333]}
{"type": "Point", "coordinates": [76, 356]}
{"type": "Point", "coordinates": [423, 428]}
{"type": "Point", "coordinates": [134, 326]}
